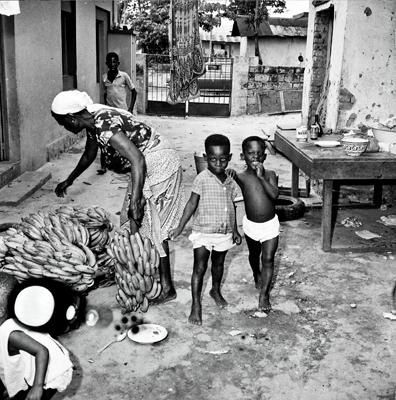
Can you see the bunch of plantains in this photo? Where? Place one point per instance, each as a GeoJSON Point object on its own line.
{"type": "Point", "coordinates": [96, 220]}
{"type": "Point", "coordinates": [50, 246]}
{"type": "Point", "coordinates": [136, 270]}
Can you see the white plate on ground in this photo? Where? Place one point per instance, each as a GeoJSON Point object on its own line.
{"type": "Point", "coordinates": [327, 143]}
{"type": "Point", "coordinates": [148, 334]}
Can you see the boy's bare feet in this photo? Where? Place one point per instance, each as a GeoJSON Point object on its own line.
{"type": "Point", "coordinates": [264, 303]}
{"type": "Point", "coordinates": [195, 317]}
{"type": "Point", "coordinates": [218, 298]}
{"type": "Point", "coordinates": [164, 297]}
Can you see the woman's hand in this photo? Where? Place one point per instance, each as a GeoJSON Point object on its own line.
{"type": "Point", "coordinates": [35, 393]}
{"type": "Point", "coordinates": [136, 213]}
{"type": "Point", "coordinates": [60, 189]}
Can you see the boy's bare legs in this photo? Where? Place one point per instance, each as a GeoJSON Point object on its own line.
{"type": "Point", "coordinates": [168, 290]}
{"type": "Point", "coordinates": [268, 249]}
{"type": "Point", "coordinates": [201, 257]}
{"type": "Point", "coordinates": [217, 275]}
{"type": "Point", "coordinates": [254, 259]}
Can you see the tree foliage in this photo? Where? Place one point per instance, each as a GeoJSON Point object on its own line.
{"type": "Point", "coordinates": [150, 18]}
{"type": "Point", "coordinates": [256, 12]}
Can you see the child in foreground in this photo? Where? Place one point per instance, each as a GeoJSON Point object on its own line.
{"type": "Point", "coordinates": [260, 224]}
{"type": "Point", "coordinates": [214, 229]}
{"type": "Point", "coordinates": [33, 365]}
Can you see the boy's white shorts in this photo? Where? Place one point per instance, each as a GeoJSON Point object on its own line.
{"type": "Point", "coordinates": [212, 241]}
{"type": "Point", "coordinates": [261, 231]}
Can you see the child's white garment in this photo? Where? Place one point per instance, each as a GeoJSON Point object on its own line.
{"type": "Point", "coordinates": [261, 231]}
{"type": "Point", "coordinates": [17, 371]}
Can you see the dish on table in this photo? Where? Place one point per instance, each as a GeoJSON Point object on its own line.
{"type": "Point", "coordinates": [327, 143]}
{"type": "Point", "coordinates": [148, 334]}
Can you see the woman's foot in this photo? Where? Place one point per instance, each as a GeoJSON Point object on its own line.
{"type": "Point", "coordinates": [164, 297]}
{"type": "Point", "coordinates": [195, 317]}
{"type": "Point", "coordinates": [218, 298]}
{"type": "Point", "coordinates": [264, 303]}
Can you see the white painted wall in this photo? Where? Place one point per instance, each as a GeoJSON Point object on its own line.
{"type": "Point", "coordinates": [369, 62]}
{"type": "Point", "coordinates": [362, 61]}
{"type": "Point", "coordinates": [38, 71]}
{"type": "Point", "coordinates": [278, 51]}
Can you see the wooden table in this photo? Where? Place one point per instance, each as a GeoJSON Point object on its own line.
{"type": "Point", "coordinates": [333, 166]}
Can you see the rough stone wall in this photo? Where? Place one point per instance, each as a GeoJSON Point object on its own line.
{"type": "Point", "coordinates": [274, 89]}
{"type": "Point", "coordinates": [319, 58]}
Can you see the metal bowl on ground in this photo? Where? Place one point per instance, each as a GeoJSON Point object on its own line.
{"type": "Point", "coordinates": [354, 146]}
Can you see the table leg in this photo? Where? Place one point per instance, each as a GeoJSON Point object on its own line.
{"type": "Point", "coordinates": [294, 181]}
{"type": "Point", "coordinates": [327, 214]}
{"type": "Point", "coordinates": [377, 196]}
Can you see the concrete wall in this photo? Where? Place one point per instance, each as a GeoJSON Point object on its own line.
{"type": "Point", "coordinates": [278, 50]}
{"type": "Point", "coordinates": [38, 62]}
{"type": "Point", "coordinates": [36, 73]}
{"type": "Point", "coordinates": [369, 63]}
{"type": "Point", "coordinates": [274, 89]}
{"type": "Point", "coordinates": [363, 66]}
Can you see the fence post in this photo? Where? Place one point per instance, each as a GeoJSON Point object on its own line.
{"type": "Point", "coordinates": [240, 72]}
{"type": "Point", "coordinates": [141, 83]}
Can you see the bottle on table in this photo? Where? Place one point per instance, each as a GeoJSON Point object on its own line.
{"type": "Point", "coordinates": [316, 129]}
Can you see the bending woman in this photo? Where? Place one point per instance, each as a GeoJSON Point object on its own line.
{"type": "Point", "coordinates": [154, 200]}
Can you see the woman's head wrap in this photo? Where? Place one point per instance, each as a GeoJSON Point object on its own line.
{"type": "Point", "coordinates": [70, 102]}
{"type": "Point", "coordinates": [34, 306]}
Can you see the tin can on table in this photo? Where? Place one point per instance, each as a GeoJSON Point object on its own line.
{"type": "Point", "coordinates": [302, 134]}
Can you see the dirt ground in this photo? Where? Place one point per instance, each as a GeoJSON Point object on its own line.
{"type": "Point", "coordinates": [326, 338]}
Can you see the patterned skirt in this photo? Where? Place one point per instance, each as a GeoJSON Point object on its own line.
{"type": "Point", "coordinates": [164, 194]}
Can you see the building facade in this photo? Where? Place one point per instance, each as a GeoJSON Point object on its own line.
{"type": "Point", "coordinates": [47, 47]}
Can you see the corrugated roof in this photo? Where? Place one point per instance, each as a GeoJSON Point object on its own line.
{"type": "Point", "coordinates": [290, 27]}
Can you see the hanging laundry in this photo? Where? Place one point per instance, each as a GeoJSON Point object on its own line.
{"type": "Point", "coordinates": [186, 58]}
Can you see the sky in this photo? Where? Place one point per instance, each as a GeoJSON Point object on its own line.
{"type": "Point", "coordinates": [293, 7]}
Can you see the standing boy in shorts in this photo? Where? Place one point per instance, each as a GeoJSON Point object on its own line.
{"type": "Point", "coordinates": [214, 229]}
{"type": "Point", "coordinates": [260, 224]}
{"type": "Point", "coordinates": [117, 87]}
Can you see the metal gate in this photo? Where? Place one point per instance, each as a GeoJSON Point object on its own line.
{"type": "Point", "coordinates": [215, 89]}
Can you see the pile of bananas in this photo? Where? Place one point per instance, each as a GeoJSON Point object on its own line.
{"type": "Point", "coordinates": [95, 220]}
{"type": "Point", "coordinates": [47, 255]}
{"type": "Point", "coordinates": [3, 251]}
{"type": "Point", "coordinates": [136, 270]}
{"type": "Point", "coordinates": [55, 228]}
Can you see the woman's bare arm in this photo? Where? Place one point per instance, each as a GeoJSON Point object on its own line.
{"type": "Point", "coordinates": [87, 158]}
{"type": "Point", "coordinates": [138, 173]}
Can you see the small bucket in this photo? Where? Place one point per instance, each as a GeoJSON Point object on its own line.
{"type": "Point", "coordinates": [200, 163]}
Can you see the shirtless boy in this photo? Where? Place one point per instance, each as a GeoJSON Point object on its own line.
{"type": "Point", "coordinates": [260, 224]}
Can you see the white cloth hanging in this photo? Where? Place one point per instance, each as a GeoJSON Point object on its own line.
{"type": "Point", "coordinates": [9, 7]}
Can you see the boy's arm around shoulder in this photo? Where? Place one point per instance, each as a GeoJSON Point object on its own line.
{"type": "Point", "coordinates": [188, 211]}
{"type": "Point", "coordinates": [19, 340]}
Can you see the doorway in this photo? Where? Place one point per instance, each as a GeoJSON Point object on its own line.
{"type": "Point", "coordinates": [102, 27]}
